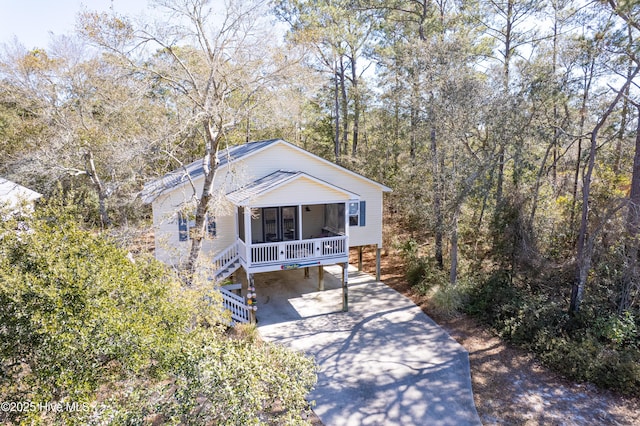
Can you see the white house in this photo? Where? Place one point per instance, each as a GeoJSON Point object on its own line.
{"type": "Point", "coordinates": [16, 198]}
{"type": "Point", "coordinates": [280, 208]}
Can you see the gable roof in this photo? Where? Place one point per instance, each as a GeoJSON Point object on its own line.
{"type": "Point", "coordinates": [11, 194]}
{"type": "Point", "coordinates": [266, 184]}
{"type": "Point", "coordinates": [181, 176]}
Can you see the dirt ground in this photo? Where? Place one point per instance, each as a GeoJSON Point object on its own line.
{"type": "Point", "coordinates": [509, 386]}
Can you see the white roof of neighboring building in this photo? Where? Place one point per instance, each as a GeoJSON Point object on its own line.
{"type": "Point", "coordinates": [12, 194]}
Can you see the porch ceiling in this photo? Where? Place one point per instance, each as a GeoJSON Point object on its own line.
{"type": "Point", "coordinates": [253, 192]}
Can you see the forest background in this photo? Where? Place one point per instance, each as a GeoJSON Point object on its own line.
{"type": "Point", "coordinates": [508, 131]}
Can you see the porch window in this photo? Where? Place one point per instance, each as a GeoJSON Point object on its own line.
{"type": "Point", "coordinates": [280, 223]}
{"type": "Point", "coordinates": [289, 223]}
{"type": "Point", "coordinates": [334, 218]}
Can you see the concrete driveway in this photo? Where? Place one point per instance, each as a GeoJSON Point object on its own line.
{"type": "Point", "coordinates": [382, 363]}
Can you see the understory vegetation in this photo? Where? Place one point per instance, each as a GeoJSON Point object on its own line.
{"type": "Point", "coordinates": [598, 344]}
{"type": "Point", "coordinates": [90, 336]}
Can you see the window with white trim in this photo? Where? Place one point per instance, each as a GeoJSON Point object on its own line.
{"type": "Point", "coordinates": [357, 213]}
{"type": "Point", "coordinates": [354, 213]}
{"type": "Point", "coordinates": [187, 225]}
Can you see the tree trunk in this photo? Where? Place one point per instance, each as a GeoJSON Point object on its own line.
{"type": "Point", "coordinates": [506, 68]}
{"type": "Point", "coordinates": [453, 273]}
{"type": "Point", "coordinates": [345, 109]}
{"type": "Point", "coordinates": [356, 107]}
{"type": "Point", "coordinates": [336, 108]}
{"type": "Point", "coordinates": [588, 77]}
{"type": "Point", "coordinates": [210, 168]}
{"type": "Point", "coordinates": [583, 250]}
{"type": "Point", "coordinates": [623, 122]}
{"type": "Point", "coordinates": [90, 167]}
{"type": "Point", "coordinates": [415, 118]}
{"type": "Point", "coordinates": [556, 115]}
{"type": "Point", "coordinates": [576, 179]}
{"type": "Point", "coordinates": [500, 181]}
{"type": "Point", "coordinates": [437, 201]}
{"type": "Point", "coordinates": [630, 277]}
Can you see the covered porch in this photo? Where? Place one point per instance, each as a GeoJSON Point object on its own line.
{"type": "Point", "coordinates": [290, 220]}
{"type": "Point", "coordinates": [294, 236]}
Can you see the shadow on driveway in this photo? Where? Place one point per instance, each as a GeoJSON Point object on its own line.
{"type": "Point", "coordinates": [382, 363]}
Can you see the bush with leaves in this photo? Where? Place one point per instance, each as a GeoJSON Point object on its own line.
{"type": "Point", "coordinates": [588, 346]}
{"type": "Point", "coordinates": [125, 341]}
{"type": "Point", "coordinates": [422, 272]}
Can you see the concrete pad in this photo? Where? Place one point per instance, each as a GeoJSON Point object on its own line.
{"type": "Point", "coordinates": [382, 363]}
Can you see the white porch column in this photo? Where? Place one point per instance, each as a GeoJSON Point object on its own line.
{"type": "Point", "coordinates": [346, 222]}
{"type": "Point", "coordinates": [299, 222]}
{"type": "Point", "coordinates": [248, 236]}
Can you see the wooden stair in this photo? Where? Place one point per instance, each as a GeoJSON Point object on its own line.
{"type": "Point", "coordinates": [226, 263]}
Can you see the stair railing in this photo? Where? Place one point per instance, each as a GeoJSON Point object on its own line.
{"type": "Point", "coordinates": [225, 258]}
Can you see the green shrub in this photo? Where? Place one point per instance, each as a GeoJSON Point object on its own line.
{"type": "Point", "coordinates": [218, 381]}
{"type": "Point", "coordinates": [532, 317]}
{"type": "Point", "coordinates": [617, 369]}
{"type": "Point", "coordinates": [81, 323]}
{"type": "Point", "coordinates": [409, 250]}
{"type": "Point", "coordinates": [621, 331]}
{"type": "Point", "coordinates": [492, 299]}
{"type": "Point", "coordinates": [448, 299]}
{"type": "Point", "coordinates": [417, 271]}
{"type": "Point", "coordinates": [589, 346]}
{"type": "Point", "coordinates": [586, 359]}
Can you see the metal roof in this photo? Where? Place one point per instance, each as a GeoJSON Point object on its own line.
{"type": "Point", "coordinates": [243, 196]}
{"type": "Point", "coordinates": [192, 171]}
{"type": "Point", "coordinates": [195, 169]}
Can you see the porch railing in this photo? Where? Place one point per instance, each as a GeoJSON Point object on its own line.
{"type": "Point", "coordinates": [285, 251]}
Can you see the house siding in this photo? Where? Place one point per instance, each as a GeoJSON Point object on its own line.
{"type": "Point", "coordinates": [278, 156]}
{"type": "Point", "coordinates": [282, 156]}
{"type": "Point", "coordinates": [301, 191]}
{"type": "Point", "coordinates": [169, 248]}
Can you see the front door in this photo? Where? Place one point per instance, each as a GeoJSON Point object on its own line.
{"type": "Point", "coordinates": [280, 223]}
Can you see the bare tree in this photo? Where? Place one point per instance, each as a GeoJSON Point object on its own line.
{"type": "Point", "coordinates": [215, 63]}
{"type": "Point", "coordinates": [88, 119]}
